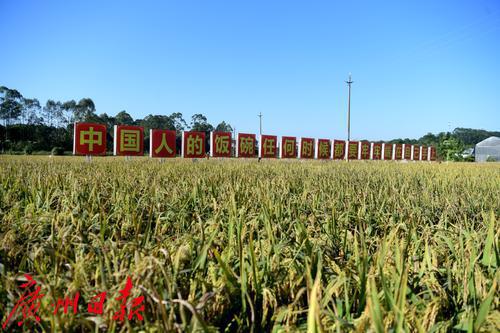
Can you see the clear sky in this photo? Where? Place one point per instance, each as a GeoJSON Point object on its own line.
{"type": "Point", "coordinates": [418, 66]}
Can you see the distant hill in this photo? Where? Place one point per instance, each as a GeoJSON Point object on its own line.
{"type": "Point", "coordinates": [468, 137]}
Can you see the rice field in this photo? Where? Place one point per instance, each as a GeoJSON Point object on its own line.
{"type": "Point", "coordinates": [237, 245]}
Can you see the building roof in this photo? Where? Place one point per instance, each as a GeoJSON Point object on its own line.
{"type": "Point", "coordinates": [492, 141]}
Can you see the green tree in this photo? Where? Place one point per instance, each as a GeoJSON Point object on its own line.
{"type": "Point", "coordinates": [10, 104]}
{"type": "Point", "coordinates": [84, 111]}
{"type": "Point", "coordinates": [178, 121]}
{"type": "Point", "coordinates": [53, 113]}
{"type": "Point", "coordinates": [199, 123]}
{"type": "Point", "coordinates": [469, 137]}
{"type": "Point", "coordinates": [123, 118]}
{"type": "Point", "coordinates": [69, 111]}
{"type": "Point", "coordinates": [450, 148]}
{"type": "Point", "coordinates": [157, 122]}
{"type": "Point", "coordinates": [32, 111]}
{"type": "Point", "coordinates": [223, 127]}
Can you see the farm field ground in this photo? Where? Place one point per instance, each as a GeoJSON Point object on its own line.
{"type": "Point", "coordinates": [245, 246]}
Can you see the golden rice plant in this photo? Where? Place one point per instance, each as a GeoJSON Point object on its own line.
{"type": "Point", "coordinates": [237, 245]}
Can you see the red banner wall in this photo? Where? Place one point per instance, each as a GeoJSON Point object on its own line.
{"type": "Point", "coordinates": [324, 149]}
{"type": "Point", "coordinates": [407, 152]}
{"type": "Point", "coordinates": [365, 150]}
{"type": "Point", "coordinates": [221, 144]}
{"type": "Point", "coordinates": [193, 144]}
{"type": "Point", "coordinates": [352, 150]}
{"type": "Point", "coordinates": [388, 150]}
{"type": "Point", "coordinates": [246, 145]}
{"type": "Point", "coordinates": [129, 140]}
{"type": "Point", "coordinates": [398, 155]}
{"type": "Point", "coordinates": [424, 153]}
{"type": "Point", "coordinates": [307, 148]}
{"type": "Point", "coordinates": [162, 143]}
{"type": "Point", "coordinates": [268, 146]}
{"type": "Point", "coordinates": [288, 147]}
{"type": "Point", "coordinates": [89, 139]}
{"type": "Point", "coordinates": [338, 149]}
{"type": "Point", "coordinates": [416, 152]}
{"type": "Point", "coordinates": [377, 151]}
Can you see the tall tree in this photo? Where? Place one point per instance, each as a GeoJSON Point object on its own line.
{"type": "Point", "coordinates": [32, 111]}
{"type": "Point", "coordinates": [224, 127]}
{"type": "Point", "coordinates": [157, 122]}
{"type": "Point", "coordinates": [53, 113]}
{"type": "Point", "coordinates": [178, 121]}
{"type": "Point", "coordinates": [85, 110]}
{"type": "Point", "coordinates": [10, 106]}
{"type": "Point", "coordinates": [199, 123]}
{"type": "Point", "coordinates": [123, 118]}
{"type": "Point", "coordinates": [69, 111]}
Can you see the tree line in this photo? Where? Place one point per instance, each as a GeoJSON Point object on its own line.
{"type": "Point", "coordinates": [31, 127]}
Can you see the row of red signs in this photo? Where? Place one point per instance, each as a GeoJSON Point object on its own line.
{"type": "Point", "coordinates": [90, 139]}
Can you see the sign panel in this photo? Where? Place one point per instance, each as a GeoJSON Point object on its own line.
{"type": "Point", "coordinates": [432, 153]}
{"type": "Point", "coordinates": [246, 145]}
{"type": "Point", "coordinates": [161, 143]}
{"type": "Point", "coordinates": [338, 149]}
{"type": "Point", "coordinates": [128, 140]}
{"type": "Point", "coordinates": [306, 148]}
{"type": "Point", "coordinates": [365, 146]}
{"type": "Point", "coordinates": [352, 150]}
{"type": "Point", "coordinates": [376, 151]}
{"type": "Point", "coordinates": [268, 146]}
{"type": "Point", "coordinates": [407, 151]}
{"type": "Point", "coordinates": [220, 144]}
{"type": "Point", "coordinates": [398, 154]}
{"type": "Point", "coordinates": [388, 151]}
{"type": "Point", "coordinates": [324, 149]}
{"type": "Point", "coordinates": [415, 156]}
{"type": "Point", "coordinates": [193, 144]}
{"type": "Point", "coordinates": [424, 153]}
{"type": "Point", "coordinates": [89, 139]}
{"type": "Point", "coordinates": [288, 147]}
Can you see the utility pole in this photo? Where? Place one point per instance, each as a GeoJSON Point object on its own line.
{"type": "Point", "coordinates": [260, 123]}
{"type": "Point", "coordinates": [349, 82]}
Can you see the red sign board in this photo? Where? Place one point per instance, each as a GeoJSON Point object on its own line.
{"type": "Point", "coordinates": [193, 144]}
{"type": "Point", "coordinates": [388, 148]}
{"type": "Point", "coordinates": [398, 155]}
{"type": "Point", "coordinates": [324, 149]}
{"type": "Point", "coordinates": [306, 148]}
{"type": "Point", "coordinates": [161, 143]}
{"type": "Point", "coordinates": [432, 153]}
{"type": "Point", "coordinates": [129, 140]}
{"type": "Point", "coordinates": [423, 154]}
{"type": "Point", "coordinates": [416, 153]}
{"type": "Point", "coordinates": [268, 146]}
{"type": "Point", "coordinates": [377, 151]}
{"type": "Point", "coordinates": [288, 147]}
{"type": "Point", "coordinates": [220, 144]}
{"type": "Point", "coordinates": [365, 150]}
{"type": "Point", "coordinates": [338, 149]}
{"type": "Point", "coordinates": [407, 152]}
{"type": "Point", "coordinates": [246, 145]}
{"type": "Point", "coordinates": [89, 139]}
{"type": "Point", "coordinates": [352, 150]}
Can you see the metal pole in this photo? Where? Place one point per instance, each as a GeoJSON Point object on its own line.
{"type": "Point", "coordinates": [349, 109]}
{"type": "Point", "coordinates": [260, 123]}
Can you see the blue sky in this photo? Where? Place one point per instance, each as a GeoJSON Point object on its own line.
{"type": "Point", "coordinates": [418, 66]}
